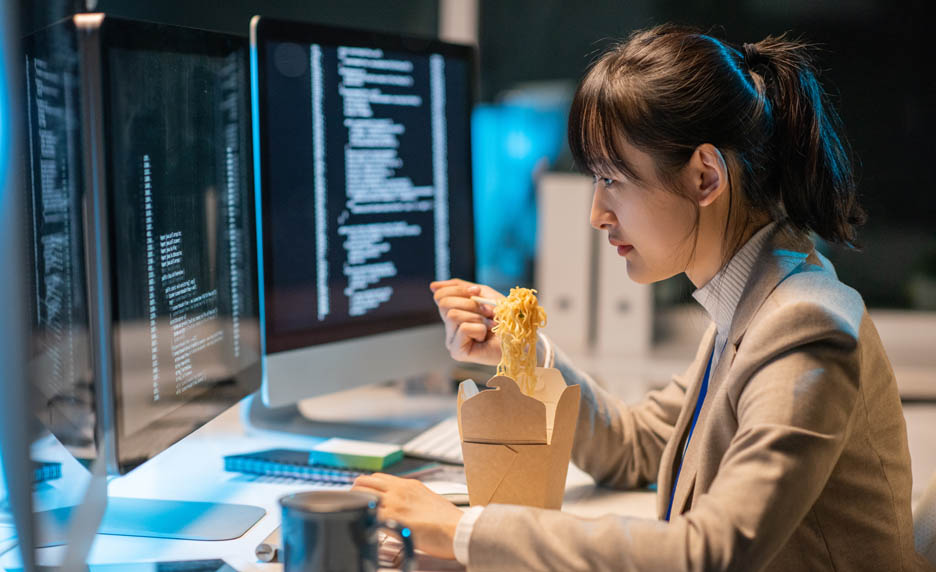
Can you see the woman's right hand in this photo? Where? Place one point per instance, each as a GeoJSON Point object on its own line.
{"type": "Point", "coordinates": [468, 334]}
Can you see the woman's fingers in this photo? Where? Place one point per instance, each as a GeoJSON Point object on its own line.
{"type": "Point", "coordinates": [458, 320]}
{"type": "Point", "coordinates": [457, 293]}
{"type": "Point", "coordinates": [373, 481]}
{"type": "Point", "coordinates": [486, 310]}
{"type": "Point", "coordinates": [463, 306]}
{"type": "Point", "coordinates": [376, 483]}
{"type": "Point", "coordinates": [432, 519]}
{"type": "Point", "coordinates": [448, 302]}
{"type": "Point", "coordinates": [451, 307]}
{"type": "Point", "coordinates": [472, 331]}
{"type": "Point", "coordinates": [456, 290]}
{"type": "Point", "coordinates": [467, 323]}
{"type": "Point", "coordinates": [436, 284]}
{"type": "Point", "coordinates": [463, 289]}
{"type": "Point", "coordinates": [363, 489]}
{"type": "Point", "coordinates": [461, 341]}
{"type": "Point", "coordinates": [488, 292]}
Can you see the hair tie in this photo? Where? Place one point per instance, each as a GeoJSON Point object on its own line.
{"type": "Point", "coordinates": [752, 55]}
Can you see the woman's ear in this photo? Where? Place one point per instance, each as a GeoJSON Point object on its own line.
{"type": "Point", "coordinates": [708, 174]}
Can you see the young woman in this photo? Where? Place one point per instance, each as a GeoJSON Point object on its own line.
{"type": "Point", "coordinates": [783, 446]}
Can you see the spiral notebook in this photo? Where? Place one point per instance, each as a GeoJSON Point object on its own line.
{"type": "Point", "coordinates": [295, 464]}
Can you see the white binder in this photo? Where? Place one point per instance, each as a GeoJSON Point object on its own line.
{"type": "Point", "coordinates": [564, 257]}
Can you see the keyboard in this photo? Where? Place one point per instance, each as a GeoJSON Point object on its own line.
{"type": "Point", "coordinates": [438, 443]}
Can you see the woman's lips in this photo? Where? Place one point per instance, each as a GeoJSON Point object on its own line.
{"type": "Point", "coordinates": [624, 249]}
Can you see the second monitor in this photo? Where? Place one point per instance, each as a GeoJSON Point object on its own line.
{"type": "Point", "coordinates": [362, 160]}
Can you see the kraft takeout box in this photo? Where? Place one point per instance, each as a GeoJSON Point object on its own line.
{"type": "Point", "coordinates": [516, 448]}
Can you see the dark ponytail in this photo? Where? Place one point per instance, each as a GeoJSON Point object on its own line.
{"type": "Point", "coordinates": [814, 174]}
{"type": "Point", "coordinates": [669, 89]}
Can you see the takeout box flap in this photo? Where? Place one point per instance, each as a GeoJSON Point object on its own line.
{"type": "Point", "coordinates": [566, 418]}
{"type": "Point", "coordinates": [551, 390]}
{"type": "Point", "coordinates": [501, 415]}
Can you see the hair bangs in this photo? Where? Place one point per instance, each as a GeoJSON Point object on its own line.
{"type": "Point", "coordinates": [595, 125]}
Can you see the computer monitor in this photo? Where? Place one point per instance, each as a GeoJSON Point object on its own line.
{"type": "Point", "coordinates": [363, 176]}
{"type": "Point", "coordinates": [142, 253]}
{"type": "Point", "coordinates": [60, 349]}
{"type": "Point", "coordinates": [142, 235]}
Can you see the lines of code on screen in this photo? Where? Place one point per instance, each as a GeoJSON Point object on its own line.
{"type": "Point", "coordinates": [182, 234]}
{"type": "Point", "coordinates": [60, 364]}
{"type": "Point", "coordinates": [367, 149]}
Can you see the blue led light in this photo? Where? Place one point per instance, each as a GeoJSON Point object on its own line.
{"type": "Point", "coordinates": [405, 533]}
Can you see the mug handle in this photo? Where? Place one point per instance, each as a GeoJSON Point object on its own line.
{"type": "Point", "coordinates": [406, 537]}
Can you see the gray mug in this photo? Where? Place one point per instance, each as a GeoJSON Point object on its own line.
{"type": "Point", "coordinates": [336, 531]}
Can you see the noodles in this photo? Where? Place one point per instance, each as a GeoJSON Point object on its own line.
{"type": "Point", "coordinates": [518, 316]}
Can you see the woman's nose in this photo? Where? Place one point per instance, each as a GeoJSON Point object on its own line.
{"type": "Point", "coordinates": [600, 217]}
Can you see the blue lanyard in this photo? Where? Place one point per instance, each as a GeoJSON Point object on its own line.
{"type": "Point", "coordinates": [695, 417]}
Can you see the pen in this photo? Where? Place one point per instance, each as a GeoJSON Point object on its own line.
{"type": "Point", "coordinates": [268, 550]}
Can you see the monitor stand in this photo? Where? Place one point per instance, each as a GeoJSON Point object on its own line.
{"type": "Point", "coordinates": [391, 412]}
{"type": "Point", "coordinates": [180, 520]}
{"type": "Point", "coordinates": [290, 420]}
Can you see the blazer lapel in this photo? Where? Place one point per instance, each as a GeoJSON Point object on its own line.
{"type": "Point", "coordinates": [672, 452]}
{"type": "Point", "coordinates": [685, 487]}
{"type": "Point", "coordinates": [684, 490]}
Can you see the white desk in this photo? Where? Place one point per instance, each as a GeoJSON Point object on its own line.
{"type": "Point", "coordinates": [192, 470]}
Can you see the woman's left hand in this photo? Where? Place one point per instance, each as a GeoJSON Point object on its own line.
{"type": "Point", "coordinates": [431, 517]}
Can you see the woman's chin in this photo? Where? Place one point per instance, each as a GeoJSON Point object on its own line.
{"type": "Point", "coordinates": [636, 273]}
{"type": "Point", "coordinates": [640, 274]}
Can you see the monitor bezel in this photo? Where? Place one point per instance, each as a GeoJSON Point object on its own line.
{"type": "Point", "coordinates": [135, 448]}
{"type": "Point", "coordinates": [265, 30]}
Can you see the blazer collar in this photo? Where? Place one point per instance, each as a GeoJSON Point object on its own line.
{"type": "Point", "coordinates": [784, 252]}
{"type": "Point", "coordinates": [721, 295]}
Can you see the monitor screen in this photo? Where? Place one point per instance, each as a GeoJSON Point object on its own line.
{"type": "Point", "coordinates": [365, 179]}
{"type": "Point", "coordinates": [181, 230]}
{"type": "Point", "coordinates": [60, 366]}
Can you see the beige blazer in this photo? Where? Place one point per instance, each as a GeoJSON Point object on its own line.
{"type": "Point", "coordinates": [798, 460]}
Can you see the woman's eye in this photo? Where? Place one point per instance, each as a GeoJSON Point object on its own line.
{"type": "Point", "coordinates": [606, 181]}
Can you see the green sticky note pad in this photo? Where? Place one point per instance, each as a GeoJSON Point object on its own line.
{"type": "Point", "coordinates": [347, 453]}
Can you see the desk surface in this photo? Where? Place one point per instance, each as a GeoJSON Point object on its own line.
{"type": "Point", "coordinates": [193, 470]}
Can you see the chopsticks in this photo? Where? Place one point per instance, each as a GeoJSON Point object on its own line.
{"type": "Point", "coordinates": [486, 301]}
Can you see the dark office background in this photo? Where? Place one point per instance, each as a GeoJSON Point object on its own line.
{"type": "Point", "coordinates": [875, 58]}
